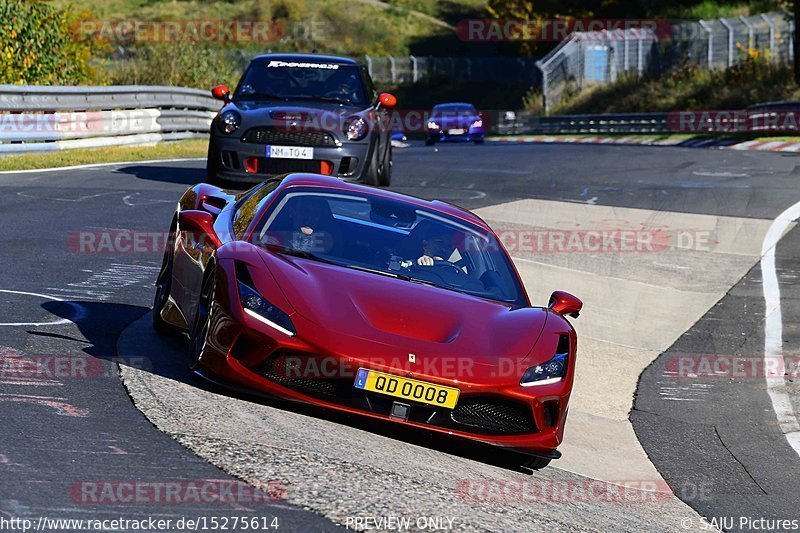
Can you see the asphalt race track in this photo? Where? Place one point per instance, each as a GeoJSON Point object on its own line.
{"type": "Point", "coordinates": [121, 407]}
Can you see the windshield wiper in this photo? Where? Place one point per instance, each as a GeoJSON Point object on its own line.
{"type": "Point", "coordinates": [324, 99]}
{"type": "Point", "coordinates": [266, 96]}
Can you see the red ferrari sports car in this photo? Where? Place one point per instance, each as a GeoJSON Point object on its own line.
{"type": "Point", "coordinates": [363, 300]}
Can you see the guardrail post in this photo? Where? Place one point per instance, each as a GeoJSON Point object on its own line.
{"type": "Point", "coordinates": [639, 50]}
{"type": "Point", "coordinates": [705, 26]}
{"type": "Point", "coordinates": [393, 68]}
{"type": "Point", "coordinates": [625, 62]}
{"type": "Point", "coordinates": [771, 36]}
{"type": "Point", "coordinates": [369, 65]}
{"type": "Point", "coordinates": [730, 40]}
{"type": "Point", "coordinates": [545, 101]}
{"type": "Point", "coordinates": [414, 69]}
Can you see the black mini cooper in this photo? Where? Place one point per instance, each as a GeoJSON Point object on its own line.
{"type": "Point", "coordinates": [302, 113]}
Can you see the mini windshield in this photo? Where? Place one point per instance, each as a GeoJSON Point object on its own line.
{"type": "Point", "coordinates": [311, 80]}
{"type": "Point", "coordinates": [390, 237]}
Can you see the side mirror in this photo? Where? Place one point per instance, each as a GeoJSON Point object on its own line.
{"type": "Point", "coordinates": [564, 303]}
{"type": "Point", "coordinates": [221, 92]}
{"type": "Point", "coordinates": [201, 223]}
{"type": "Point", "coordinates": [387, 100]}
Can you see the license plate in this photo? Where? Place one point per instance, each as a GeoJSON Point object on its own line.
{"type": "Point", "coordinates": [457, 131]}
{"type": "Point", "coordinates": [290, 152]}
{"type": "Point", "coordinates": [408, 389]}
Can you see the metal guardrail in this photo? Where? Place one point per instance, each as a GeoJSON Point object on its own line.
{"type": "Point", "coordinates": [513, 123]}
{"type": "Point", "coordinates": [770, 118]}
{"type": "Point", "coordinates": [44, 118]}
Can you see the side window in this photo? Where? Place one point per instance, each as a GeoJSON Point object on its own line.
{"type": "Point", "coordinates": [247, 209]}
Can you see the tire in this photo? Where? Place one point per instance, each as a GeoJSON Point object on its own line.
{"type": "Point", "coordinates": [428, 142]}
{"type": "Point", "coordinates": [385, 170]}
{"type": "Point", "coordinates": [371, 176]}
{"type": "Point", "coordinates": [536, 463]}
{"type": "Point", "coordinates": [202, 319]}
{"type": "Point", "coordinates": [212, 166]}
{"type": "Point", "coordinates": [163, 288]}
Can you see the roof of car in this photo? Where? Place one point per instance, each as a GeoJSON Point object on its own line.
{"type": "Point", "coordinates": [318, 180]}
{"type": "Point", "coordinates": [453, 103]}
{"type": "Point", "coordinates": [306, 57]}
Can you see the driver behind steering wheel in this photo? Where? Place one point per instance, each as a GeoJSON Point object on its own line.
{"type": "Point", "coordinates": [434, 248]}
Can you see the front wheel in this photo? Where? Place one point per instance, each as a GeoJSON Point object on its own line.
{"type": "Point", "coordinates": [163, 288]}
{"type": "Point", "coordinates": [385, 170]}
{"type": "Point", "coordinates": [536, 463]}
{"type": "Point", "coordinates": [212, 165]}
{"type": "Point", "coordinates": [202, 320]}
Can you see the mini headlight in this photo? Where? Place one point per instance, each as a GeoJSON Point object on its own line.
{"type": "Point", "coordinates": [229, 121]}
{"type": "Point", "coordinates": [259, 308]}
{"type": "Point", "coordinates": [552, 371]}
{"type": "Point", "coordinates": [432, 125]}
{"type": "Point", "coordinates": [356, 128]}
{"type": "Point", "coordinates": [477, 124]}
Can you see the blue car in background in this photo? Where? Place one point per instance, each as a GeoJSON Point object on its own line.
{"type": "Point", "coordinates": [455, 121]}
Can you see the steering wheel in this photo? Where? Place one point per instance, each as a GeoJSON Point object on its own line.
{"type": "Point", "coordinates": [442, 262]}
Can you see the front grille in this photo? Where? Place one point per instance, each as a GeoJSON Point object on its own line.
{"type": "Point", "coordinates": [266, 135]}
{"type": "Point", "coordinates": [287, 370]}
{"type": "Point", "coordinates": [494, 415]}
{"type": "Point", "coordinates": [272, 166]}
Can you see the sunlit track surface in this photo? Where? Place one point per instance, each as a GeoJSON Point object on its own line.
{"type": "Point", "coordinates": [638, 304]}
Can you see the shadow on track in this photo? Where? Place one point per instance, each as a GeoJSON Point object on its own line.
{"type": "Point", "coordinates": [166, 173]}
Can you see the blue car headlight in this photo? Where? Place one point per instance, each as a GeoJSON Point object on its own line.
{"type": "Point", "coordinates": [477, 124]}
{"type": "Point", "coordinates": [259, 308]}
{"type": "Point", "coordinates": [552, 371]}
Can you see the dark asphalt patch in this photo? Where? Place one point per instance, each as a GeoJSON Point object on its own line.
{"type": "Point", "coordinates": [716, 439]}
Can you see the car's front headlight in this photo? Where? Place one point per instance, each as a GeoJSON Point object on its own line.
{"type": "Point", "coordinates": [229, 121]}
{"type": "Point", "coordinates": [552, 371]}
{"type": "Point", "coordinates": [433, 125]}
{"type": "Point", "coordinates": [259, 308]}
{"type": "Point", "coordinates": [356, 128]}
{"type": "Point", "coordinates": [477, 124]}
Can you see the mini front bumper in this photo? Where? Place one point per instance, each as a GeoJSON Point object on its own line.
{"type": "Point", "coordinates": [348, 161]}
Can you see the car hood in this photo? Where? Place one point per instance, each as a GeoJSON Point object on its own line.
{"type": "Point", "coordinates": [296, 107]}
{"type": "Point", "coordinates": [411, 316]}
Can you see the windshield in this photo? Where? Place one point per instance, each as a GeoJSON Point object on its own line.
{"type": "Point", "coordinates": [392, 238]}
{"type": "Point", "coordinates": [290, 80]}
{"type": "Point", "coordinates": [454, 109]}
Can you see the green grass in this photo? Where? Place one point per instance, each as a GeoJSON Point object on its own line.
{"type": "Point", "coordinates": [348, 27]}
{"type": "Point", "coordinates": [171, 150]}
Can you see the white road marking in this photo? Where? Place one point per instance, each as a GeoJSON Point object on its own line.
{"type": "Point", "coordinates": [78, 199]}
{"type": "Point", "coordinates": [100, 165]}
{"type": "Point", "coordinates": [78, 310]}
{"type": "Point", "coordinates": [128, 200]}
{"type": "Point", "coordinates": [101, 286]}
{"type": "Point", "coordinates": [773, 327]}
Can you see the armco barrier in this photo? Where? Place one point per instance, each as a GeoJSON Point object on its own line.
{"type": "Point", "coordinates": [43, 119]}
